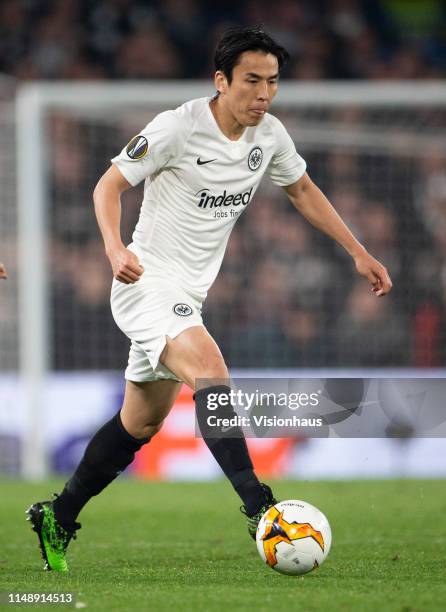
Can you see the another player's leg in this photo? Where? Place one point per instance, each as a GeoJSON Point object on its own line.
{"type": "Point", "coordinates": [193, 355]}
{"type": "Point", "coordinates": [108, 453]}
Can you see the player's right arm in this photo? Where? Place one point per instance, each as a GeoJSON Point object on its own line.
{"type": "Point", "coordinates": [154, 148]}
{"type": "Point", "coordinates": [107, 205]}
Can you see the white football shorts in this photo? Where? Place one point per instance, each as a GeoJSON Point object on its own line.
{"type": "Point", "coordinates": [147, 312]}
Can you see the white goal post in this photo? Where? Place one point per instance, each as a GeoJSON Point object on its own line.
{"type": "Point", "coordinates": [35, 102]}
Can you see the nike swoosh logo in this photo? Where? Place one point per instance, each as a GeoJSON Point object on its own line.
{"type": "Point", "coordinates": [207, 161]}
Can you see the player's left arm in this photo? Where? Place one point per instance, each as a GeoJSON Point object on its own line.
{"type": "Point", "coordinates": [309, 200]}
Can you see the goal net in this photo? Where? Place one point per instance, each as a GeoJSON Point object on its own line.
{"type": "Point", "coordinates": [287, 297]}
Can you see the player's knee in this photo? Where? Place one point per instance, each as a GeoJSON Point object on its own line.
{"type": "Point", "coordinates": [150, 429]}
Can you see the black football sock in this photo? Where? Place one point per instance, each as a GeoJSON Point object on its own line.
{"type": "Point", "coordinates": [231, 453]}
{"type": "Point", "coordinates": [108, 453]}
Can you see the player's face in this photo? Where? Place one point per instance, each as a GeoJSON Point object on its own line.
{"type": "Point", "coordinates": [253, 87]}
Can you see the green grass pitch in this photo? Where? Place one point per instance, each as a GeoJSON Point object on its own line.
{"type": "Point", "coordinates": [166, 546]}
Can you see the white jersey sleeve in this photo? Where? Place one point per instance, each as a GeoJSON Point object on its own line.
{"type": "Point", "coordinates": [286, 165]}
{"type": "Point", "coordinates": [154, 148]}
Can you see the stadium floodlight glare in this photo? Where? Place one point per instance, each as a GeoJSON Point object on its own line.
{"type": "Point", "coordinates": [309, 111]}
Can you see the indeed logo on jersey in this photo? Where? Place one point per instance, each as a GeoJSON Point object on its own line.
{"type": "Point", "coordinates": [213, 201]}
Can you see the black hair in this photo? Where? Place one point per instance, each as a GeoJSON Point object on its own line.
{"type": "Point", "coordinates": [236, 41]}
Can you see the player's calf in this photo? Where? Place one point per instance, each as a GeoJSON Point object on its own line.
{"type": "Point", "coordinates": [108, 453]}
{"type": "Point", "coordinates": [228, 446]}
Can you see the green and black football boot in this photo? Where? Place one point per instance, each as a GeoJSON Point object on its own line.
{"type": "Point", "coordinates": [253, 521]}
{"type": "Point", "coordinates": [53, 538]}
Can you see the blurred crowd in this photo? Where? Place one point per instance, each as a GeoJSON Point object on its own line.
{"type": "Point", "coordinates": [143, 39]}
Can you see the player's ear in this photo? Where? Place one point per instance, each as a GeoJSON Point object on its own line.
{"type": "Point", "coordinates": [221, 82]}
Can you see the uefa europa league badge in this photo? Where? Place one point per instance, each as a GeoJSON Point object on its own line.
{"type": "Point", "coordinates": [137, 147]}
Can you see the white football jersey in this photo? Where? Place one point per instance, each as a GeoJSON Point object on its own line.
{"type": "Point", "coordinates": [197, 184]}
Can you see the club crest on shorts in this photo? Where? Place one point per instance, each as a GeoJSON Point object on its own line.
{"type": "Point", "coordinates": [255, 158]}
{"type": "Point", "coordinates": [137, 147]}
{"type": "Point", "coordinates": [183, 310]}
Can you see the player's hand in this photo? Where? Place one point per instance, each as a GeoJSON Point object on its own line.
{"type": "Point", "coordinates": [3, 271]}
{"type": "Point", "coordinates": [125, 265]}
{"type": "Point", "coordinates": [375, 273]}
